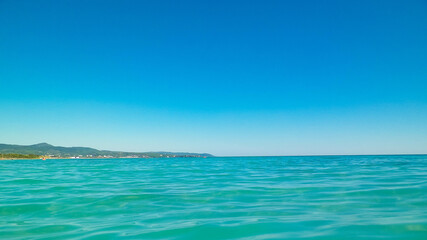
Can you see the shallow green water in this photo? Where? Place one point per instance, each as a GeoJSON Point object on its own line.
{"type": "Point", "coordinates": [340, 197]}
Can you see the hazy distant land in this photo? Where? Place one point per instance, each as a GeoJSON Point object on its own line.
{"type": "Point", "coordinates": [11, 151]}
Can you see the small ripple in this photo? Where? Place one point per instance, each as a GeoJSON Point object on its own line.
{"type": "Point", "coordinates": [336, 197]}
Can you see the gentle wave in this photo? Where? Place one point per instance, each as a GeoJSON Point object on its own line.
{"type": "Point", "coordinates": [331, 197]}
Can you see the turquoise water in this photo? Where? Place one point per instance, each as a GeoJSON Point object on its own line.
{"type": "Point", "coordinates": [339, 197]}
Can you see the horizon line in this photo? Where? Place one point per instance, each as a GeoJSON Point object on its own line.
{"type": "Point", "coordinates": [292, 155]}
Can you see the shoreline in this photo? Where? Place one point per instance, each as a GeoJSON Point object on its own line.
{"type": "Point", "coordinates": [10, 159]}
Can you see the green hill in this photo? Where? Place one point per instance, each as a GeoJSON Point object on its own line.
{"type": "Point", "coordinates": [46, 149]}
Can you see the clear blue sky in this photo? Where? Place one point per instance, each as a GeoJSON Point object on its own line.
{"type": "Point", "coordinates": [224, 77]}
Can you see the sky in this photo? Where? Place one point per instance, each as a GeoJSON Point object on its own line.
{"type": "Point", "coordinates": [230, 78]}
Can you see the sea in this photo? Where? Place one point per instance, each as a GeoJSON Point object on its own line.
{"type": "Point", "coordinates": [308, 197]}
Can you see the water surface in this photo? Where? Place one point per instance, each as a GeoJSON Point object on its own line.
{"type": "Point", "coordinates": [330, 197]}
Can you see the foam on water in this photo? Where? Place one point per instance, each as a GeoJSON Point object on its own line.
{"type": "Point", "coordinates": [338, 197]}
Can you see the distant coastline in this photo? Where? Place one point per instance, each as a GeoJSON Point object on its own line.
{"type": "Point", "coordinates": [48, 151]}
{"type": "Point", "coordinates": [63, 158]}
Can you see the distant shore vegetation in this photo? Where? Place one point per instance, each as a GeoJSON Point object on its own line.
{"type": "Point", "coordinates": [18, 156]}
{"type": "Point", "coordinates": [47, 151]}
